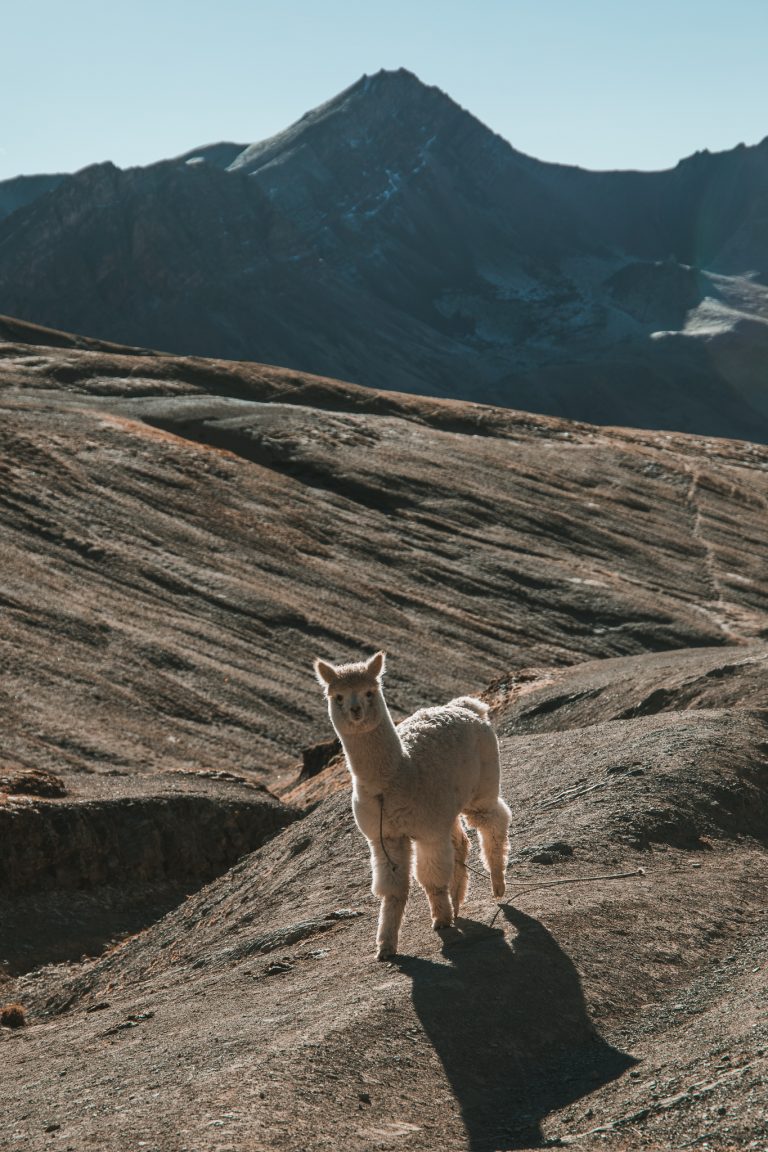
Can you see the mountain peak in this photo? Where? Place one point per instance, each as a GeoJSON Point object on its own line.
{"type": "Point", "coordinates": [390, 83]}
{"type": "Point", "coordinates": [399, 86]}
{"type": "Point", "coordinates": [366, 106]}
{"type": "Point", "coordinates": [388, 78]}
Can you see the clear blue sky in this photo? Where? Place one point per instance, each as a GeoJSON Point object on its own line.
{"type": "Point", "coordinates": [600, 83]}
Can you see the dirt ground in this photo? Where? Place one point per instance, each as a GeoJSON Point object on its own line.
{"type": "Point", "coordinates": [162, 595]}
{"type": "Point", "coordinates": [625, 1006]}
{"type": "Point", "coordinates": [182, 537]}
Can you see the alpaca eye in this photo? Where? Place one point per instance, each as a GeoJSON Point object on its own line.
{"type": "Point", "coordinates": [339, 698]}
{"type": "Point", "coordinates": [369, 695]}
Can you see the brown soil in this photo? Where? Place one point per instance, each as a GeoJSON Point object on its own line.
{"type": "Point", "coordinates": [162, 598]}
{"type": "Point", "coordinates": [624, 1006]}
{"type": "Point", "coordinates": [164, 588]}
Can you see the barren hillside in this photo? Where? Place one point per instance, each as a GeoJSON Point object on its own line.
{"type": "Point", "coordinates": [179, 538]}
{"type": "Point", "coordinates": [183, 536]}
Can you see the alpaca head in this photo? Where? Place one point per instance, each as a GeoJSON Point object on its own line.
{"type": "Point", "coordinates": [355, 701]}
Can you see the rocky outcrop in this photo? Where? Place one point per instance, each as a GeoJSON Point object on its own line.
{"type": "Point", "coordinates": [105, 830]}
{"type": "Point", "coordinates": [103, 855]}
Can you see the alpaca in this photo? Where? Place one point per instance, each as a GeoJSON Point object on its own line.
{"type": "Point", "coordinates": [410, 786]}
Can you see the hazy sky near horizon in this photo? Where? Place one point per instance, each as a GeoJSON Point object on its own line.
{"type": "Point", "coordinates": [599, 83]}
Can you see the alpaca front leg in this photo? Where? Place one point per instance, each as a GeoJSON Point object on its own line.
{"type": "Point", "coordinates": [434, 871]}
{"type": "Point", "coordinates": [391, 867]}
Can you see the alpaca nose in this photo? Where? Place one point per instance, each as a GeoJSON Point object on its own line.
{"type": "Point", "coordinates": [357, 711]}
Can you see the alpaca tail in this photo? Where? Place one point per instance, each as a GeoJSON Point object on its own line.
{"type": "Point", "coordinates": [473, 704]}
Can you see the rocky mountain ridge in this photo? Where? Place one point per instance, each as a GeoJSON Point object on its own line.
{"type": "Point", "coordinates": [388, 237]}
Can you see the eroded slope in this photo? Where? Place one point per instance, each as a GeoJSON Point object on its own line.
{"type": "Point", "coordinates": [181, 537]}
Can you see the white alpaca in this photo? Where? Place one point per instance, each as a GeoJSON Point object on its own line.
{"type": "Point", "coordinates": [409, 785]}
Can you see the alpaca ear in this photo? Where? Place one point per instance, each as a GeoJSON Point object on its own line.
{"type": "Point", "coordinates": [325, 672]}
{"type": "Point", "coordinates": [377, 664]}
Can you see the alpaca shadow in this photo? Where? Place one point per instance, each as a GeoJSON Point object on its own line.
{"type": "Point", "coordinates": [508, 1020]}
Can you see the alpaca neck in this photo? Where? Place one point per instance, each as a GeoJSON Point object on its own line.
{"type": "Point", "coordinates": [374, 757]}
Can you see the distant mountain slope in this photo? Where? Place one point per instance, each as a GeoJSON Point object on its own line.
{"type": "Point", "coordinates": [23, 190]}
{"type": "Point", "coordinates": [391, 238]}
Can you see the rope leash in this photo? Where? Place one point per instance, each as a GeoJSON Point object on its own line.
{"type": "Point", "coordinates": [392, 864]}
{"type": "Point", "coordinates": [522, 891]}
{"type": "Point", "coordinates": [582, 880]}
{"type": "Point", "coordinates": [569, 880]}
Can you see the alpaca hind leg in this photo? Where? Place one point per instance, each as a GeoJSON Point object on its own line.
{"type": "Point", "coordinates": [434, 871]}
{"type": "Point", "coordinates": [391, 867]}
{"type": "Point", "coordinates": [493, 826]}
{"type": "Point", "coordinates": [460, 881]}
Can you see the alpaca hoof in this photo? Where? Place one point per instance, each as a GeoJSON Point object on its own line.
{"type": "Point", "coordinates": [385, 951]}
{"type": "Point", "coordinates": [442, 922]}
{"type": "Point", "coordinates": [499, 888]}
